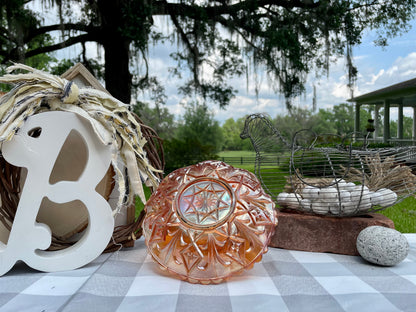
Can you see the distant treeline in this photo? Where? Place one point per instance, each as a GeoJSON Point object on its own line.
{"type": "Point", "coordinates": [198, 136]}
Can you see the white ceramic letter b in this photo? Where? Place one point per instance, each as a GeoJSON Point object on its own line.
{"type": "Point", "coordinates": [38, 153]}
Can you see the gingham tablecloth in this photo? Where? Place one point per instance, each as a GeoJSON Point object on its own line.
{"type": "Point", "coordinates": [285, 280]}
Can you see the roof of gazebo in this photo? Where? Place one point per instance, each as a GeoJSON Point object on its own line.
{"type": "Point", "coordinates": [405, 89]}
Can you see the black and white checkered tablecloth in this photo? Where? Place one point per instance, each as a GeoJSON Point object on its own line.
{"type": "Point", "coordinates": [285, 280]}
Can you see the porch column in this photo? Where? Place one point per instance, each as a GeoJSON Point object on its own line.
{"type": "Point", "coordinates": [414, 124]}
{"type": "Point", "coordinates": [357, 119]}
{"type": "Point", "coordinates": [386, 132]}
{"type": "Point", "coordinates": [376, 122]}
{"type": "Point", "coordinates": [400, 120]}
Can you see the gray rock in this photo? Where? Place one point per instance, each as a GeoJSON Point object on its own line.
{"type": "Point", "coordinates": [381, 245]}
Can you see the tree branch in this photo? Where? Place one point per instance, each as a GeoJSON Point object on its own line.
{"type": "Point", "coordinates": [224, 22]}
{"type": "Point", "coordinates": [193, 50]}
{"type": "Point", "coordinates": [162, 7]}
{"type": "Point", "coordinates": [69, 42]}
{"type": "Point", "coordinates": [68, 26]}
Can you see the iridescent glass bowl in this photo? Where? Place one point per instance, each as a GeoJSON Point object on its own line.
{"type": "Point", "coordinates": [208, 221]}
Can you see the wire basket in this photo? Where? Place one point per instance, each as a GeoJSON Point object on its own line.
{"type": "Point", "coordinates": [325, 175]}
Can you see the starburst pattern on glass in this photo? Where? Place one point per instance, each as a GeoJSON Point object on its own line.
{"type": "Point", "coordinates": [208, 221]}
{"type": "Point", "coordinates": [205, 202]}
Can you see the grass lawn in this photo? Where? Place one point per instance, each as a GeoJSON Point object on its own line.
{"type": "Point", "coordinates": [403, 215]}
{"type": "Point", "coordinates": [139, 204]}
{"type": "Point", "coordinates": [237, 154]}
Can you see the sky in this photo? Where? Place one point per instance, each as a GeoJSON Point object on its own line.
{"type": "Point", "coordinates": [377, 68]}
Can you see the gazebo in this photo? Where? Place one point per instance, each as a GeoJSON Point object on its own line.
{"type": "Point", "coordinates": [399, 95]}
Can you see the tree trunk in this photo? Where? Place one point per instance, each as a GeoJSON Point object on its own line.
{"type": "Point", "coordinates": [116, 48]}
{"type": "Point", "coordinates": [16, 32]}
{"type": "Point", "coordinates": [117, 74]}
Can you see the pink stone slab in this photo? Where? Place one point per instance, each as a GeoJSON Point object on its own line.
{"type": "Point", "coordinates": [305, 232]}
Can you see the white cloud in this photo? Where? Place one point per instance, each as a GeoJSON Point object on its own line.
{"type": "Point", "coordinates": [243, 105]}
{"type": "Point", "coordinates": [333, 90]}
{"type": "Point", "coordinates": [403, 68]}
{"type": "Point", "coordinates": [330, 91]}
{"type": "Point", "coordinates": [375, 77]}
{"type": "Point", "coordinates": [340, 90]}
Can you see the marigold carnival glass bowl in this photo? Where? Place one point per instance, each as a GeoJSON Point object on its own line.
{"type": "Point", "coordinates": [208, 221]}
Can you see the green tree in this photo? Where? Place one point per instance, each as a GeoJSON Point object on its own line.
{"type": "Point", "coordinates": [15, 22]}
{"type": "Point", "coordinates": [340, 119]}
{"type": "Point", "coordinates": [366, 112]}
{"type": "Point", "coordinates": [407, 128]}
{"type": "Point", "coordinates": [159, 118]}
{"type": "Point", "coordinates": [301, 119]}
{"type": "Point", "coordinates": [344, 118]}
{"type": "Point", "coordinates": [323, 122]}
{"type": "Point", "coordinates": [287, 39]}
{"type": "Point", "coordinates": [199, 125]}
{"type": "Point", "coordinates": [231, 130]}
{"type": "Point", "coordinates": [197, 138]}
{"type": "Point", "coordinates": [393, 129]}
{"type": "Point", "coordinates": [180, 153]}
